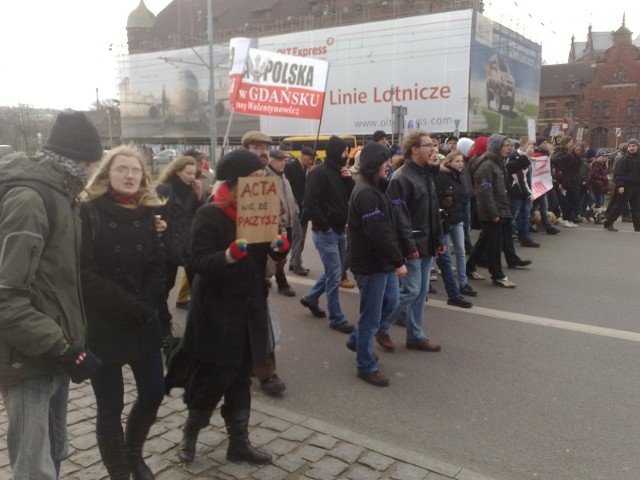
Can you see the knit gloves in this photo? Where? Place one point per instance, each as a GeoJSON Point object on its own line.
{"type": "Point", "coordinates": [280, 243]}
{"type": "Point", "coordinates": [237, 250]}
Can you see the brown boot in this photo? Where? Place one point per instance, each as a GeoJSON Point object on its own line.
{"type": "Point", "coordinates": [384, 340]}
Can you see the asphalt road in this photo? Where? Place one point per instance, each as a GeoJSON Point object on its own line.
{"type": "Point", "coordinates": [538, 382]}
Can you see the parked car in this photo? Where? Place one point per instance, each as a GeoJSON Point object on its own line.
{"type": "Point", "coordinates": [6, 150]}
{"type": "Point", "coordinates": [164, 158]}
{"type": "Point", "coordinates": [501, 86]}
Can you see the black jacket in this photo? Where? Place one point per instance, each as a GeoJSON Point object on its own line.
{"type": "Point", "coordinates": [326, 197]}
{"type": "Point", "coordinates": [450, 184]}
{"type": "Point", "coordinates": [374, 247]}
{"type": "Point", "coordinates": [627, 170]}
{"type": "Point", "coordinates": [228, 311]}
{"type": "Point", "coordinates": [296, 173]}
{"type": "Point", "coordinates": [122, 267]}
{"type": "Point", "coordinates": [416, 209]}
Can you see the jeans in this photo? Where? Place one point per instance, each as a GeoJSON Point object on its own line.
{"type": "Point", "coordinates": [108, 387]}
{"type": "Point", "coordinates": [379, 293]}
{"type": "Point", "coordinates": [413, 293]}
{"type": "Point", "coordinates": [521, 209]}
{"type": "Point", "coordinates": [457, 236]}
{"type": "Point", "coordinates": [37, 432]}
{"type": "Point", "coordinates": [331, 247]}
{"type": "Point", "coordinates": [445, 264]}
{"type": "Point", "coordinates": [599, 199]}
{"type": "Point", "coordinates": [468, 244]}
{"type": "Point", "coordinates": [543, 205]}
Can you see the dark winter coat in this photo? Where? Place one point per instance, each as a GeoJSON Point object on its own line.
{"type": "Point", "coordinates": [599, 180]}
{"type": "Point", "coordinates": [374, 246]}
{"type": "Point", "coordinates": [517, 166]}
{"type": "Point", "coordinates": [326, 197]}
{"type": "Point", "coordinates": [178, 211]}
{"type": "Point", "coordinates": [40, 303]}
{"type": "Point", "coordinates": [123, 276]}
{"type": "Point", "coordinates": [492, 183]}
{"type": "Point", "coordinates": [450, 184]}
{"type": "Point", "coordinates": [228, 311]}
{"type": "Point", "coordinates": [567, 165]}
{"type": "Point", "coordinates": [627, 170]}
{"type": "Point", "coordinates": [416, 209]}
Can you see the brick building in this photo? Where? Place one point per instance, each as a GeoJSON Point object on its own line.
{"type": "Point", "coordinates": [596, 93]}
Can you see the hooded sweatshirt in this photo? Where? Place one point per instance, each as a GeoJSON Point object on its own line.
{"type": "Point", "coordinates": [326, 196]}
{"type": "Point", "coordinates": [492, 181]}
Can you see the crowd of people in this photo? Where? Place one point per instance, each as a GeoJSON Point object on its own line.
{"type": "Point", "coordinates": [92, 248]}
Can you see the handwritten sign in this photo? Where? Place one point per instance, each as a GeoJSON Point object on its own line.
{"type": "Point", "coordinates": [258, 209]}
{"type": "Point", "coordinates": [541, 181]}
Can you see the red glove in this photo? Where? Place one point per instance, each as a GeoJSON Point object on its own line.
{"type": "Point", "coordinates": [280, 243]}
{"type": "Point", "coordinates": [236, 251]}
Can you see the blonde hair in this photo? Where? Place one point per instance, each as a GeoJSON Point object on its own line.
{"type": "Point", "coordinates": [413, 139]}
{"type": "Point", "coordinates": [100, 184]}
{"type": "Point", "coordinates": [451, 156]}
{"type": "Point", "coordinates": [174, 167]}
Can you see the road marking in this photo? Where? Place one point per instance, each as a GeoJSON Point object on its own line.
{"type": "Point", "coordinates": [513, 316]}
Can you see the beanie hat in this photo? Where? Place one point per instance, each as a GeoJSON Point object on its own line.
{"type": "Point", "coordinates": [378, 135]}
{"type": "Point", "coordinates": [591, 153]}
{"type": "Point", "coordinates": [602, 153]}
{"type": "Point", "coordinates": [239, 163]}
{"type": "Point", "coordinates": [253, 137]}
{"type": "Point", "coordinates": [633, 141]}
{"type": "Point", "coordinates": [540, 141]}
{"type": "Point", "coordinates": [335, 147]}
{"type": "Point", "coordinates": [75, 137]}
{"type": "Point", "coordinates": [373, 155]}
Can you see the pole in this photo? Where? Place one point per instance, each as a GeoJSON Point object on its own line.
{"type": "Point", "coordinates": [212, 89]}
{"type": "Point", "coordinates": [315, 143]}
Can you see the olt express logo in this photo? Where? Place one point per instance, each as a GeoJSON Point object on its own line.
{"type": "Point", "coordinates": [260, 70]}
{"type": "Point", "coordinates": [300, 51]}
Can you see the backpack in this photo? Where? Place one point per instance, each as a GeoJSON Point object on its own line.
{"type": "Point", "coordinates": [47, 198]}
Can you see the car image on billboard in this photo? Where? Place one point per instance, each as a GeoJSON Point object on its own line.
{"type": "Point", "coordinates": [501, 88]}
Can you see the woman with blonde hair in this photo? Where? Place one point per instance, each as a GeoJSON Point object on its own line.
{"type": "Point", "coordinates": [180, 190]}
{"type": "Point", "coordinates": [122, 284]}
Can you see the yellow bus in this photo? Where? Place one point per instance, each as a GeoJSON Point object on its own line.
{"type": "Point", "coordinates": [293, 145]}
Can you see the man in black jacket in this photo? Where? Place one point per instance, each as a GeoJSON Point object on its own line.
{"type": "Point", "coordinates": [326, 200]}
{"type": "Point", "coordinates": [419, 230]}
{"type": "Point", "coordinates": [296, 172]}
{"type": "Point", "coordinates": [376, 260]}
{"type": "Point", "coordinates": [626, 175]}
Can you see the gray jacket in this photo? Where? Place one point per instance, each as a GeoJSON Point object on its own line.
{"type": "Point", "coordinates": [491, 181]}
{"type": "Point", "coordinates": [40, 301]}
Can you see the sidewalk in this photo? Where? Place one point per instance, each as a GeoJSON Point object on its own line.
{"type": "Point", "coordinates": [303, 448]}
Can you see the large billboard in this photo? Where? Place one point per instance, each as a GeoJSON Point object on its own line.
{"type": "Point", "coordinates": [450, 71]}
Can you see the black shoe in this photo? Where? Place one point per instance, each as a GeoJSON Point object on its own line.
{"type": "Point", "coordinates": [552, 231]}
{"type": "Point", "coordinates": [303, 272]}
{"type": "Point", "coordinates": [431, 289]}
{"type": "Point", "coordinates": [459, 302]}
{"type": "Point", "coordinates": [273, 386]}
{"type": "Point", "coordinates": [183, 305]}
{"type": "Point", "coordinates": [529, 243]}
{"type": "Point", "coordinates": [344, 327]}
{"type": "Point", "coordinates": [610, 227]}
{"type": "Point", "coordinates": [315, 309]}
{"type": "Point", "coordinates": [287, 291]}
{"type": "Point", "coordinates": [520, 263]}
{"type": "Point", "coordinates": [468, 290]}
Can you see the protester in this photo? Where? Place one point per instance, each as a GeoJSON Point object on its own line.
{"type": "Point", "coordinates": [599, 180]}
{"type": "Point", "coordinates": [42, 320]}
{"type": "Point", "coordinates": [229, 322]}
{"type": "Point", "coordinates": [122, 283]}
{"type": "Point", "coordinates": [626, 176]}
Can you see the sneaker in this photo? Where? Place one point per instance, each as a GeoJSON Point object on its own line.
{"type": "Point", "coordinates": [468, 290]}
{"type": "Point", "coordinates": [459, 302]}
{"type": "Point", "coordinates": [346, 283]}
{"type": "Point", "coordinates": [529, 244]}
{"type": "Point", "coordinates": [273, 386]}
{"type": "Point", "coordinates": [475, 275]}
{"type": "Point", "coordinates": [504, 282]}
{"type": "Point", "coordinates": [344, 327]}
{"type": "Point", "coordinates": [376, 378]}
{"type": "Point", "coordinates": [315, 309]}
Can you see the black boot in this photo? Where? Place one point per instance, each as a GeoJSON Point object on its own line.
{"type": "Point", "coordinates": [113, 456]}
{"type": "Point", "coordinates": [240, 449]}
{"type": "Point", "coordinates": [137, 430]}
{"type": "Point", "coordinates": [196, 421]}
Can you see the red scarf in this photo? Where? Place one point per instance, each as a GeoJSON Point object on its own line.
{"type": "Point", "coordinates": [124, 199]}
{"type": "Point", "coordinates": [223, 199]}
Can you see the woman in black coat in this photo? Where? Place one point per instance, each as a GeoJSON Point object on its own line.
{"type": "Point", "coordinates": [228, 324]}
{"type": "Point", "coordinates": [122, 281]}
{"type": "Point", "coordinates": [180, 190]}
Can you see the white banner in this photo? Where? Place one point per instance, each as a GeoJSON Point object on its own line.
{"type": "Point", "coordinates": [541, 181]}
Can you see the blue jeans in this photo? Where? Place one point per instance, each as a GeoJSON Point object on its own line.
{"type": "Point", "coordinates": [108, 387]}
{"type": "Point", "coordinates": [37, 433]}
{"type": "Point", "coordinates": [445, 264]}
{"type": "Point", "coordinates": [331, 247]}
{"type": "Point", "coordinates": [543, 205]}
{"type": "Point", "coordinates": [413, 293]}
{"type": "Point", "coordinates": [468, 244]}
{"type": "Point", "coordinates": [521, 209]}
{"type": "Point", "coordinates": [599, 199]}
{"type": "Point", "coordinates": [379, 293]}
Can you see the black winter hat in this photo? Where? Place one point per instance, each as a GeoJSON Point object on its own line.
{"type": "Point", "coordinates": [335, 147]}
{"type": "Point", "coordinates": [236, 164]}
{"type": "Point", "coordinates": [372, 156]}
{"type": "Point", "coordinates": [540, 140]}
{"type": "Point", "coordinates": [74, 136]}
{"type": "Point", "coordinates": [379, 135]}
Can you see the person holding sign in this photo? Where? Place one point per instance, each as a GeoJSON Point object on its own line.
{"type": "Point", "coordinates": [228, 324]}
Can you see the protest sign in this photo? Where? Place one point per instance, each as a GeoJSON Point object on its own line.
{"type": "Point", "coordinates": [258, 209]}
{"type": "Point", "coordinates": [541, 181]}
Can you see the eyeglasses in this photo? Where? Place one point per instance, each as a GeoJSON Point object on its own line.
{"type": "Point", "coordinates": [261, 148]}
{"type": "Point", "coordinates": [135, 172]}
{"type": "Point", "coordinates": [426, 145]}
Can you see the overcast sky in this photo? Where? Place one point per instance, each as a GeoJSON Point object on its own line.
{"type": "Point", "coordinates": [56, 53]}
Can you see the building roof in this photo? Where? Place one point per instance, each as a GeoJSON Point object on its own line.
{"type": "Point", "coordinates": [564, 79]}
{"type": "Point", "coordinates": [141, 17]}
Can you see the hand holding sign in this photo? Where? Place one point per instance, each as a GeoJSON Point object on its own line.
{"type": "Point", "coordinates": [280, 243]}
{"type": "Point", "coordinates": [236, 251]}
